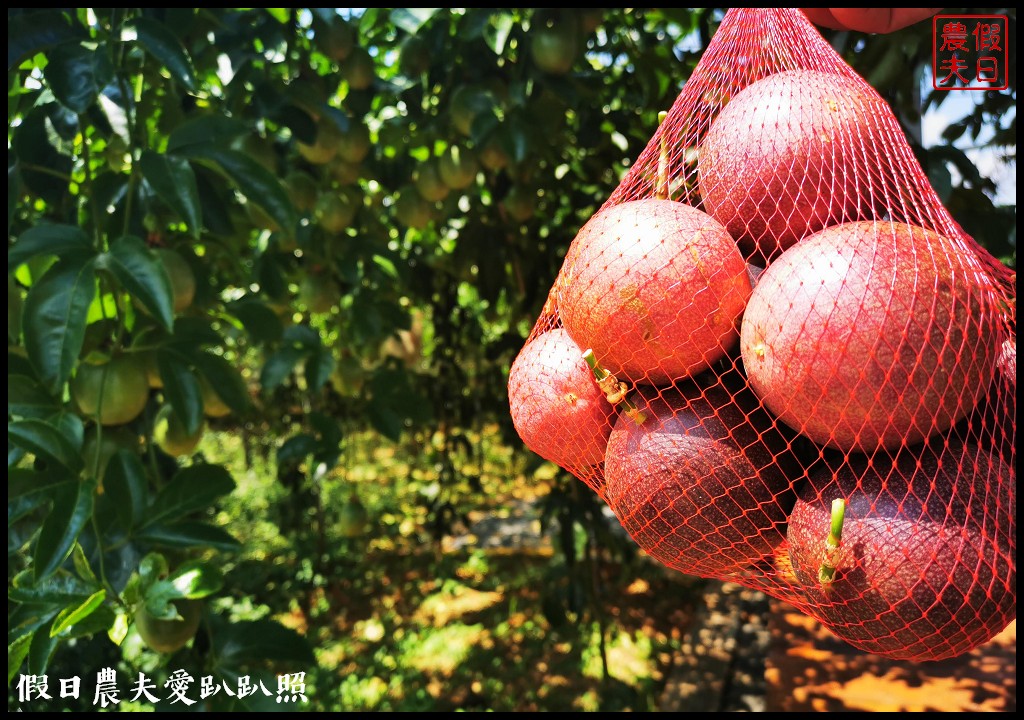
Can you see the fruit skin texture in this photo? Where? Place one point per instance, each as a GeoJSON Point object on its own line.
{"type": "Point", "coordinates": [170, 433]}
{"type": "Point", "coordinates": [97, 456]}
{"type": "Point", "coordinates": [353, 519]}
{"type": "Point", "coordinates": [458, 167]}
{"type": "Point", "coordinates": [557, 408]}
{"type": "Point", "coordinates": [125, 390]}
{"type": "Point", "coordinates": [994, 422]}
{"type": "Point", "coordinates": [791, 154]}
{"type": "Point", "coordinates": [554, 48]}
{"type": "Point", "coordinates": [703, 485]}
{"type": "Point", "coordinates": [870, 334]}
{"type": "Point", "coordinates": [325, 147]}
{"type": "Point", "coordinates": [412, 210]}
{"type": "Point", "coordinates": [520, 203]}
{"type": "Point", "coordinates": [337, 39]}
{"type": "Point", "coordinates": [336, 210]}
{"type": "Point", "coordinates": [429, 183]}
{"type": "Point", "coordinates": [655, 288]}
{"type": "Point", "coordinates": [167, 636]}
{"type": "Point", "coordinates": [927, 566]}
{"type": "Point", "coordinates": [213, 405]}
{"type": "Point", "coordinates": [359, 69]}
{"type": "Point", "coordinates": [183, 280]}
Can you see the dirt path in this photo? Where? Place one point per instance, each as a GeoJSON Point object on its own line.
{"type": "Point", "coordinates": [809, 670]}
{"type": "Point", "coordinates": [746, 652]}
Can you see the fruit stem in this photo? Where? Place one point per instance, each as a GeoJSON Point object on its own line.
{"type": "Point", "coordinates": [661, 190]}
{"type": "Point", "coordinates": [614, 391]}
{"type": "Point", "coordinates": [830, 555]}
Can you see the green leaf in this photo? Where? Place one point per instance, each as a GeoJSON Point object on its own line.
{"type": "Point", "coordinates": [17, 651]}
{"type": "Point", "coordinates": [254, 181]}
{"type": "Point", "coordinates": [518, 140]}
{"type": "Point", "coordinates": [14, 455]}
{"type": "Point", "coordinates": [190, 535]}
{"type": "Point", "coordinates": [18, 364]}
{"type": "Point", "coordinates": [192, 332]}
{"type": "Point", "coordinates": [279, 14]}
{"type": "Point", "coordinates": [412, 19]}
{"type": "Point", "coordinates": [98, 621]}
{"type": "Point", "coordinates": [249, 642]}
{"type": "Point", "coordinates": [262, 323]}
{"type": "Point", "coordinates": [70, 425]}
{"type": "Point", "coordinates": [302, 126]}
{"type": "Point", "coordinates": [20, 507]}
{"type": "Point", "coordinates": [319, 367]}
{"type": "Point", "coordinates": [395, 401]}
{"type": "Point", "coordinates": [174, 181]}
{"type": "Point", "coordinates": [151, 568]}
{"type": "Point", "coordinates": [56, 309]}
{"type": "Point", "coordinates": [269, 275]}
{"type": "Point", "coordinates": [61, 588]}
{"type": "Point", "coordinates": [45, 441]}
{"type": "Point", "coordinates": [73, 615]}
{"type": "Point", "coordinates": [34, 32]}
{"type": "Point", "coordinates": [14, 192]}
{"type": "Point", "coordinates": [71, 511]}
{"type": "Point", "coordinates": [181, 388]}
{"type": "Point", "coordinates": [27, 398]}
{"type": "Point", "coordinates": [386, 265]}
{"type": "Point", "coordinates": [279, 366]}
{"type": "Point", "coordinates": [48, 239]}
{"type": "Point", "coordinates": [27, 482]}
{"type": "Point", "coordinates": [193, 488]}
{"type": "Point", "coordinates": [115, 116]}
{"type": "Point", "coordinates": [225, 380]}
{"type": "Point", "coordinates": [204, 130]}
{"type": "Point", "coordinates": [302, 335]}
{"type": "Point", "coordinates": [40, 651]}
{"type": "Point", "coordinates": [196, 579]}
{"type": "Point", "coordinates": [497, 33]}
{"type": "Point", "coordinates": [77, 74]}
{"type": "Point", "coordinates": [82, 567]}
{"type": "Point", "coordinates": [44, 159]}
{"type": "Point", "coordinates": [164, 47]}
{"type": "Point", "coordinates": [385, 421]}
{"type": "Point", "coordinates": [141, 273]}
{"type": "Point", "coordinates": [192, 580]}
{"type": "Point", "coordinates": [328, 428]}
{"type": "Point", "coordinates": [125, 485]}
{"type": "Point", "coordinates": [296, 448]}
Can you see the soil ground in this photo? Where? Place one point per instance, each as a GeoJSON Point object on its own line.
{"type": "Point", "coordinates": [808, 669]}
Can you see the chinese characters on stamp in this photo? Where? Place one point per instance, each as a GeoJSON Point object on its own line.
{"type": "Point", "coordinates": [969, 52]}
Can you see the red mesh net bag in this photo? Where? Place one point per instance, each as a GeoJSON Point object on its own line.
{"type": "Point", "coordinates": [780, 362]}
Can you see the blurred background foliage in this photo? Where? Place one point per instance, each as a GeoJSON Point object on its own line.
{"type": "Point", "coordinates": [267, 271]}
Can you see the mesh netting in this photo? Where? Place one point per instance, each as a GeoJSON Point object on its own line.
{"type": "Point", "coordinates": [782, 315]}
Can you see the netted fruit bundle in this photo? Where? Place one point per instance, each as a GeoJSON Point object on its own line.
{"type": "Point", "coordinates": [779, 360]}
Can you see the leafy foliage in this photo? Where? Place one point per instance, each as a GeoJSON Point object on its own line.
{"type": "Point", "coordinates": [373, 206]}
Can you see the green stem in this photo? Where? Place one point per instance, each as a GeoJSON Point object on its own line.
{"type": "Point", "coordinates": [613, 389]}
{"type": "Point", "coordinates": [661, 189]}
{"type": "Point", "coordinates": [45, 171]}
{"type": "Point", "coordinates": [830, 555]}
{"type": "Point", "coordinates": [111, 591]}
{"type": "Point", "coordinates": [87, 182]}
{"type": "Point", "coordinates": [593, 561]}
{"type": "Point", "coordinates": [135, 143]}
